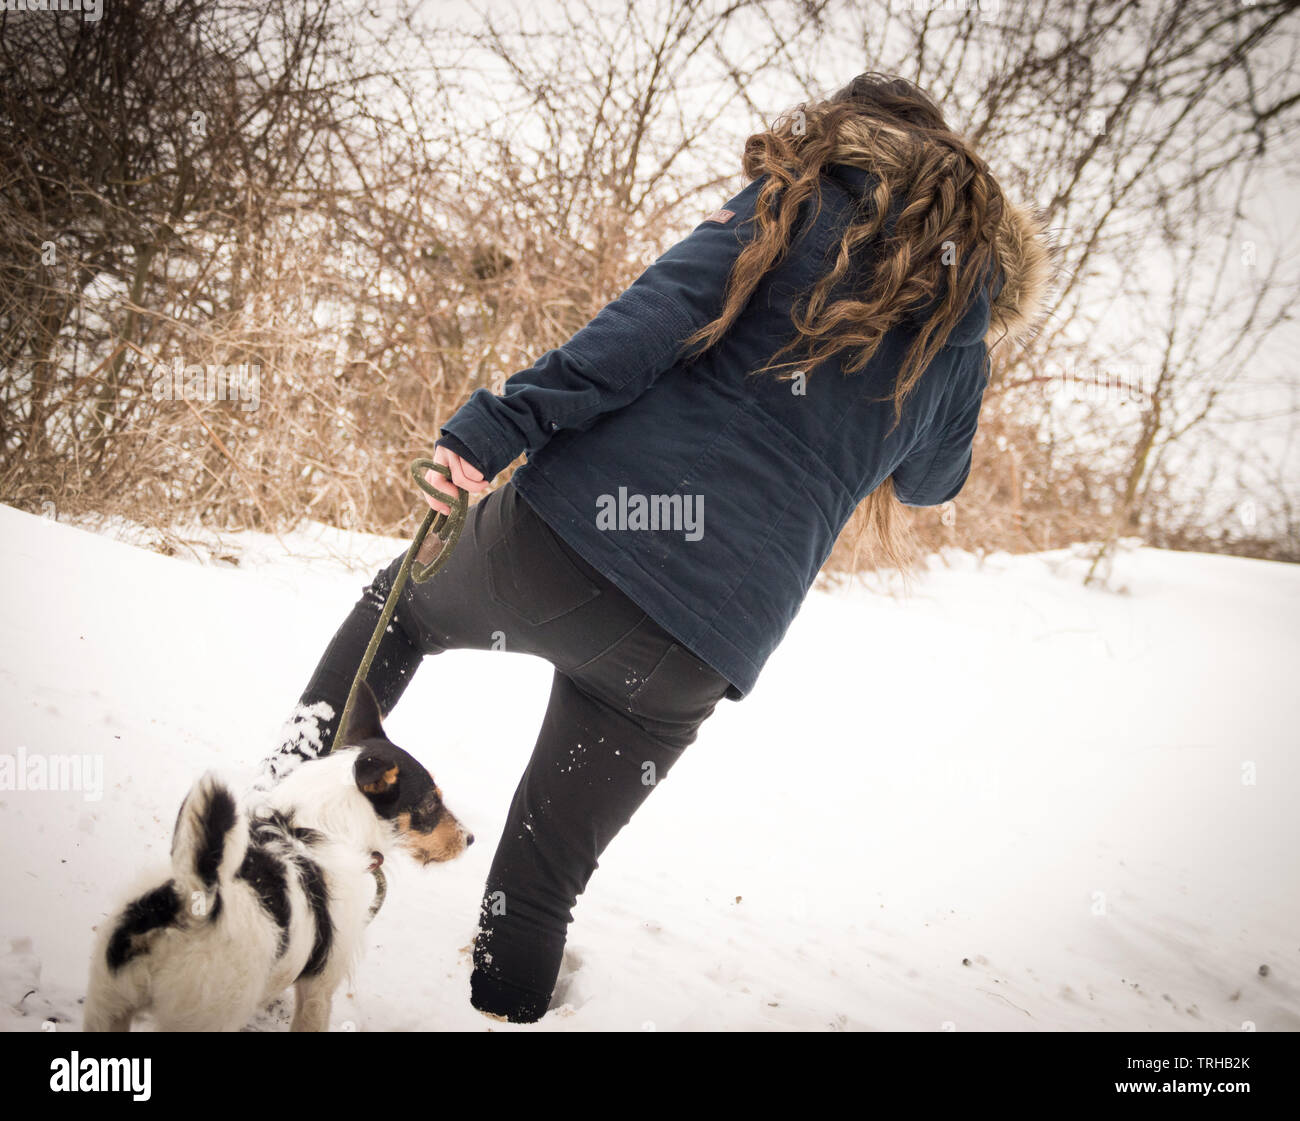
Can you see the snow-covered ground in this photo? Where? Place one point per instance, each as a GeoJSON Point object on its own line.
{"type": "Point", "coordinates": [1006, 803]}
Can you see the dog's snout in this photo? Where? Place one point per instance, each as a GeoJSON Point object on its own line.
{"type": "Point", "coordinates": [445, 841]}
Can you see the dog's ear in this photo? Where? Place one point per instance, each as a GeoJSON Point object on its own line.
{"type": "Point", "coordinates": [366, 720]}
{"type": "Point", "coordinates": [376, 772]}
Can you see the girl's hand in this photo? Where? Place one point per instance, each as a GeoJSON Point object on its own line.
{"type": "Point", "coordinates": [462, 474]}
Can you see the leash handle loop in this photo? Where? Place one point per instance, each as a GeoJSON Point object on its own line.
{"type": "Point", "coordinates": [435, 521]}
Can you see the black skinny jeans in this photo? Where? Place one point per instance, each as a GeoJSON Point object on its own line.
{"type": "Point", "coordinates": [626, 699]}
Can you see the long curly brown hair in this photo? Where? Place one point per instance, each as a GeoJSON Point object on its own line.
{"type": "Point", "coordinates": [945, 209]}
{"type": "Point", "coordinates": [940, 252]}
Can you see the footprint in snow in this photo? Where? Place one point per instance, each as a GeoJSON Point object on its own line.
{"type": "Point", "coordinates": [569, 994]}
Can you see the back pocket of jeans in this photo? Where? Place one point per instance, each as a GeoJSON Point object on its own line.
{"type": "Point", "coordinates": [681, 689]}
{"type": "Point", "coordinates": [529, 573]}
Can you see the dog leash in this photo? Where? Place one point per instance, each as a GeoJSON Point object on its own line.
{"type": "Point", "coordinates": [420, 573]}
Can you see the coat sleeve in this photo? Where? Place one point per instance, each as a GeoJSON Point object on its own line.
{"type": "Point", "coordinates": [935, 471]}
{"type": "Point", "coordinates": [618, 355]}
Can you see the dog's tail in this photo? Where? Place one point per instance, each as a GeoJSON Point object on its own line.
{"type": "Point", "coordinates": [209, 845]}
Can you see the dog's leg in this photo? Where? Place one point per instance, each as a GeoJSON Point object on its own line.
{"type": "Point", "coordinates": [312, 1000]}
{"type": "Point", "coordinates": [120, 1022]}
{"type": "Point", "coordinates": [106, 1009]}
{"type": "Point", "coordinates": [111, 1003]}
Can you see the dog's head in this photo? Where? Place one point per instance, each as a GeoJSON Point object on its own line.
{"type": "Point", "coordinates": [400, 789]}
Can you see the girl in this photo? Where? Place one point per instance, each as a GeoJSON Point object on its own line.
{"type": "Point", "coordinates": [693, 453]}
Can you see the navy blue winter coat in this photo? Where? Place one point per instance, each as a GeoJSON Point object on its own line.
{"type": "Point", "coordinates": [621, 405]}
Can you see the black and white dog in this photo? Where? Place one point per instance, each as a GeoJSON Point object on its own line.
{"type": "Point", "coordinates": [273, 893]}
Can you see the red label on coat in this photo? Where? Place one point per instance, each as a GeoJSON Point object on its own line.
{"type": "Point", "coordinates": [722, 217]}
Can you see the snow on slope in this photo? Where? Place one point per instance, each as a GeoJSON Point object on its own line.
{"type": "Point", "coordinates": [1006, 803]}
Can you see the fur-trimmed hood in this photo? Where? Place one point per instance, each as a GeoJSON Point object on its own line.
{"type": "Point", "coordinates": [1021, 241]}
{"type": "Point", "coordinates": [1023, 253]}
